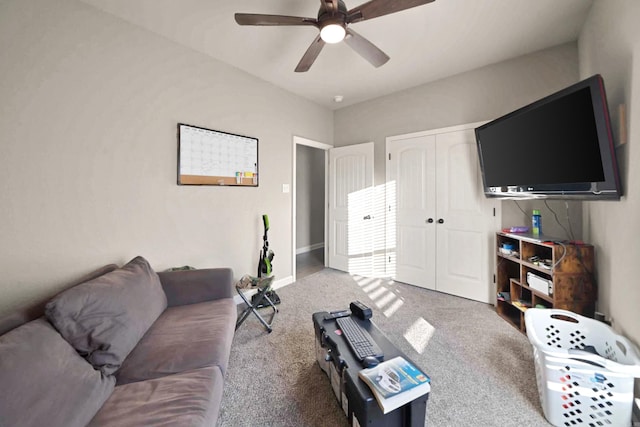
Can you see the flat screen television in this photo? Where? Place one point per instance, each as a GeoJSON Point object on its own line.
{"type": "Point", "coordinates": [560, 146]}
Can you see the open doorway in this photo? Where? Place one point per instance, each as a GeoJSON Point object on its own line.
{"type": "Point", "coordinates": [309, 216]}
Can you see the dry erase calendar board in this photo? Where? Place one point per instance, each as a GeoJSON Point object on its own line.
{"type": "Point", "coordinates": [211, 157]}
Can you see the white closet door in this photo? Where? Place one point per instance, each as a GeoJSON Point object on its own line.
{"type": "Point", "coordinates": [411, 210]}
{"type": "Point", "coordinates": [468, 223]}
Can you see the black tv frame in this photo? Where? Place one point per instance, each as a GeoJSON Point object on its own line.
{"type": "Point", "coordinates": [608, 189]}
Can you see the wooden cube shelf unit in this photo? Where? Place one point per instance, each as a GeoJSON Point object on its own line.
{"type": "Point", "coordinates": [569, 269]}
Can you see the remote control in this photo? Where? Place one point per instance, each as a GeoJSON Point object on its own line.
{"type": "Point", "coordinates": [336, 314]}
{"type": "Point", "coordinates": [360, 310]}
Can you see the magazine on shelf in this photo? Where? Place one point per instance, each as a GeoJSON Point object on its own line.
{"type": "Point", "coordinates": [395, 382]}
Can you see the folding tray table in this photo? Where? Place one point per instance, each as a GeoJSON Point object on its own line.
{"type": "Point", "coordinates": [263, 286]}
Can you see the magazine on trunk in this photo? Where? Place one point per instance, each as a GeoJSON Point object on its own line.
{"type": "Point", "coordinates": [395, 382]}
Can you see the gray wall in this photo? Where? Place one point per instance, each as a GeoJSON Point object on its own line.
{"type": "Point", "coordinates": [474, 96]}
{"type": "Point", "coordinates": [610, 45]}
{"type": "Point", "coordinates": [482, 94]}
{"type": "Point", "coordinates": [310, 178]}
{"type": "Point", "coordinates": [88, 113]}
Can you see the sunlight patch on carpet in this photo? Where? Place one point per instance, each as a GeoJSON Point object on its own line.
{"type": "Point", "coordinates": [419, 334]}
{"type": "Point", "coordinates": [377, 293]}
{"type": "Point", "coordinates": [384, 300]}
{"type": "Point", "coordinates": [395, 306]}
{"type": "Point", "coordinates": [367, 283]}
{"type": "Point", "coordinates": [371, 287]}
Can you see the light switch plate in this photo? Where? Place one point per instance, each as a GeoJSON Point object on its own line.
{"type": "Point", "coordinates": [285, 188]}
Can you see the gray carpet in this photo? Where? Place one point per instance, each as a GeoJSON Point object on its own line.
{"type": "Point", "coordinates": [481, 368]}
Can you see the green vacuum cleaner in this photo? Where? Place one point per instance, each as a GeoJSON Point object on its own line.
{"type": "Point", "coordinates": [265, 265]}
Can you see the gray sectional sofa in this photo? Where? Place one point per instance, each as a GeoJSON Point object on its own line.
{"type": "Point", "coordinates": [125, 347]}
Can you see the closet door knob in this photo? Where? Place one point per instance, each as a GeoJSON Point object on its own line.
{"type": "Point", "coordinates": [430, 220]}
{"type": "Point", "coordinates": [441, 221]}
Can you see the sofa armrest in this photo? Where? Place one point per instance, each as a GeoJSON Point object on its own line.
{"type": "Point", "coordinates": [193, 286]}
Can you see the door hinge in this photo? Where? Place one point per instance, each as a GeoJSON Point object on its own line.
{"type": "Point", "coordinates": [389, 258]}
{"type": "Point", "coordinates": [494, 211]}
{"type": "Point", "coordinates": [389, 156]}
{"type": "Point", "coordinates": [494, 278]}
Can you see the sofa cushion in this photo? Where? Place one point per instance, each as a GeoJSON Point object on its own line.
{"type": "Point", "coordinates": [187, 399]}
{"type": "Point", "coordinates": [44, 382]}
{"type": "Point", "coordinates": [194, 286]}
{"type": "Point", "coordinates": [184, 337]}
{"type": "Point", "coordinates": [104, 318]}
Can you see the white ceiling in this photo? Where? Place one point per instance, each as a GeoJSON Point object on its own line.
{"type": "Point", "coordinates": [425, 43]}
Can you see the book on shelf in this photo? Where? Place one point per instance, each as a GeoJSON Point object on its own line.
{"type": "Point", "coordinates": [522, 305]}
{"type": "Point", "coordinates": [395, 382]}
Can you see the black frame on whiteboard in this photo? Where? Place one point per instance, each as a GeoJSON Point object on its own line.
{"type": "Point", "coordinates": [226, 163]}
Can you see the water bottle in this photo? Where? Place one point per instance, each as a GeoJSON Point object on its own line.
{"type": "Point", "coordinates": [536, 223]}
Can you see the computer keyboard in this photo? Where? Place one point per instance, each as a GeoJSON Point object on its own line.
{"type": "Point", "coordinates": [361, 343]}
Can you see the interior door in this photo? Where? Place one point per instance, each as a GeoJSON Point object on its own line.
{"type": "Point", "coordinates": [465, 219]}
{"type": "Point", "coordinates": [351, 204]}
{"type": "Point", "coordinates": [411, 189]}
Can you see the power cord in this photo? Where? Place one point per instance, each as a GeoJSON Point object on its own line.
{"type": "Point", "coordinates": [581, 260]}
{"type": "Point", "coordinates": [519, 207]}
{"type": "Point", "coordinates": [578, 255]}
{"type": "Point", "coordinates": [566, 206]}
{"type": "Point", "coordinates": [555, 215]}
{"type": "Point", "coordinates": [569, 234]}
{"type": "Point", "coordinates": [564, 252]}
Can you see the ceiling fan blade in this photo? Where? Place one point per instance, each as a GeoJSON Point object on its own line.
{"type": "Point", "coordinates": [310, 55]}
{"type": "Point", "coordinates": [375, 8]}
{"type": "Point", "coordinates": [365, 48]}
{"type": "Point", "coordinates": [258, 19]}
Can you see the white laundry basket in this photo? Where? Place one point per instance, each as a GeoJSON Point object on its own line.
{"type": "Point", "coordinates": [584, 370]}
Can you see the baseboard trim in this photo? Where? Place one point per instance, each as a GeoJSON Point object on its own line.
{"type": "Point", "coordinates": [305, 249]}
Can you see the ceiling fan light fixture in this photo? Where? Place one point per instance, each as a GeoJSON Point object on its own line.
{"type": "Point", "coordinates": [333, 20]}
{"type": "Point", "coordinates": [333, 33]}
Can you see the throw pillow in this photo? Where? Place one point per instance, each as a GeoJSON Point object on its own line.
{"type": "Point", "coordinates": [104, 318]}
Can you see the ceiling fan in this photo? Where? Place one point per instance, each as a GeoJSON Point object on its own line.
{"type": "Point", "coordinates": [333, 20]}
